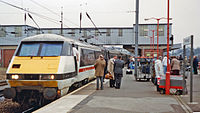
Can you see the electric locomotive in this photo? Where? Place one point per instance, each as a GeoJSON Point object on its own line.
{"type": "Point", "coordinates": [44, 67]}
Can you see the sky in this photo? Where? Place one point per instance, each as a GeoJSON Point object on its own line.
{"type": "Point", "coordinates": [107, 13]}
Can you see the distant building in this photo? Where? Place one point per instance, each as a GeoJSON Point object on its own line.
{"type": "Point", "coordinates": [11, 35]}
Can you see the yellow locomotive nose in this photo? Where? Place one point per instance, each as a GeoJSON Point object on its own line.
{"type": "Point", "coordinates": [35, 65]}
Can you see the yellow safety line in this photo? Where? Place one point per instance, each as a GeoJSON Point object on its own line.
{"type": "Point", "coordinates": [185, 107]}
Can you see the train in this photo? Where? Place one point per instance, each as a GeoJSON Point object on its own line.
{"type": "Point", "coordinates": [44, 67]}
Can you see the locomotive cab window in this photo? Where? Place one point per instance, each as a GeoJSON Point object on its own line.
{"type": "Point", "coordinates": [40, 49]}
{"type": "Point", "coordinates": [29, 49]}
{"type": "Point", "coordinates": [51, 49]}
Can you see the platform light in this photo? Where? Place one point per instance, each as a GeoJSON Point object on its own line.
{"type": "Point", "coordinates": [15, 77]}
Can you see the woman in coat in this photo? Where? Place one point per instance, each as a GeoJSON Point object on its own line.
{"type": "Point", "coordinates": [175, 66]}
{"type": "Point", "coordinates": [111, 70]}
{"type": "Point", "coordinates": [99, 70]}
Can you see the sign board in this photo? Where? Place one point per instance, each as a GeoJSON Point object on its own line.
{"type": "Point", "coordinates": [187, 40]}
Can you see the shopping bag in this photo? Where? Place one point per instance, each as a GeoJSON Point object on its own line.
{"type": "Point", "coordinates": [108, 76]}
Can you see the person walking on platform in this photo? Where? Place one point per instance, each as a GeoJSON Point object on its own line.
{"type": "Point", "coordinates": [164, 63]}
{"type": "Point", "coordinates": [128, 62]}
{"type": "Point", "coordinates": [159, 71]}
{"type": "Point", "coordinates": [118, 72]}
{"type": "Point", "coordinates": [195, 64]}
{"type": "Point", "coordinates": [99, 70]}
{"type": "Point", "coordinates": [132, 63]}
{"type": "Point", "coordinates": [111, 70]}
{"type": "Point", "coordinates": [175, 66]}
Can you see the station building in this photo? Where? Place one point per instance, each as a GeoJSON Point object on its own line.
{"type": "Point", "coordinates": [11, 35]}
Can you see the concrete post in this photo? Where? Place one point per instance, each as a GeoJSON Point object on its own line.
{"type": "Point", "coordinates": [184, 64]}
{"type": "Point", "coordinates": [191, 71]}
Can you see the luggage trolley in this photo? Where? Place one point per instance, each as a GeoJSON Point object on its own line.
{"type": "Point", "coordinates": [144, 70]}
{"type": "Point", "coordinates": [176, 82]}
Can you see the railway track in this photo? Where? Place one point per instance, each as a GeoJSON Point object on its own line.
{"type": "Point", "coordinates": [1, 95]}
{"type": "Point", "coordinates": [71, 91]}
{"type": "Point", "coordinates": [29, 110]}
{"type": "Point", "coordinates": [3, 83]}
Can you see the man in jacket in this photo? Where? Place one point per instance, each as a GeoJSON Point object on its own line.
{"type": "Point", "coordinates": [99, 70]}
{"type": "Point", "coordinates": [118, 72]}
{"type": "Point", "coordinates": [195, 64]}
{"type": "Point", "coordinates": [111, 70]}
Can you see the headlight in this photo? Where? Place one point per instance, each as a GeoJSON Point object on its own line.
{"type": "Point", "coordinates": [48, 77]}
{"type": "Point", "coordinates": [52, 77]}
{"type": "Point", "coordinates": [15, 77]}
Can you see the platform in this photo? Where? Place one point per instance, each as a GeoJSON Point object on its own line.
{"type": "Point", "coordinates": [133, 97]}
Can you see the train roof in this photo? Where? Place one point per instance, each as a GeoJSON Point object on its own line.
{"type": "Point", "coordinates": [54, 37]}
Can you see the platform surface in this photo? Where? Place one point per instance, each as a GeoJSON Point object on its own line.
{"type": "Point", "coordinates": [132, 97]}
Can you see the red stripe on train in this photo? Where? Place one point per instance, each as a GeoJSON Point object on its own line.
{"type": "Point", "coordinates": [86, 69]}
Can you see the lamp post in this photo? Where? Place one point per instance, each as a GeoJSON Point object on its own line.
{"type": "Point", "coordinates": [158, 19]}
{"type": "Point", "coordinates": [151, 45]}
{"type": "Point", "coordinates": [153, 41]}
{"type": "Point", "coordinates": [168, 67]}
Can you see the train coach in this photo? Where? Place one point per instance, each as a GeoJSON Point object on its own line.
{"type": "Point", "coordinates": [44, 67]}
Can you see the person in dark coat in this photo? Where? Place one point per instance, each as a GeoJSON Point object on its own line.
{"type": "Point", "coordinates": [118, 72]}
{"type": "Point", "coordinates": [195, 64]}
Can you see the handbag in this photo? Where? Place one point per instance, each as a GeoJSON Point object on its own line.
{"type": "Point", "coordinates": [108, 76]}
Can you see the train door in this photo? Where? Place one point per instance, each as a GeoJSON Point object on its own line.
{"type": "Point", "coordinates": [76, 54]}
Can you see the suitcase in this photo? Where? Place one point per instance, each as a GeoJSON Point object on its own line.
{"type": "Point", "coordinates": [128, 71]}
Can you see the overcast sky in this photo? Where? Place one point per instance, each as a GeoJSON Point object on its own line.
{"type": "Point", "coordinates": [107, 13]}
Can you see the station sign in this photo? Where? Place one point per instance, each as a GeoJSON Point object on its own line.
{"type": "Point", "coordinates": [187, 40]}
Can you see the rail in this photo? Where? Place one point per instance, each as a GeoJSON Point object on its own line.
{"type": "Point", "coordinates": [1, 95]}
{"type": "Point", "coordinates": [3, 83]}
{"type": "Point", "coordinates": [29, 110]}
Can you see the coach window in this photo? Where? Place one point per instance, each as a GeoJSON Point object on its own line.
{"type": "Point", "coordinates": [97, 54]}
{"type": "Point", "coordinates": [81, 58]}
{"type": "Point", "coordinates": [87, 57]}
